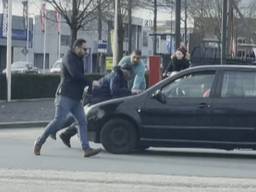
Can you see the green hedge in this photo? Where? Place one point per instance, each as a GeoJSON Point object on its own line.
{"type": "Point", "coordinates": [28, 86]}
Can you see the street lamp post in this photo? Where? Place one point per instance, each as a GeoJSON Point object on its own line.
{"type": "Point", "coordinates": [224, 32]}
{"type": "Point", "coordinates": [155, 27]}
{"type": "Point", "coordinates": [116, 45]}
{"type": "Point", "coordinates": [9, 51]}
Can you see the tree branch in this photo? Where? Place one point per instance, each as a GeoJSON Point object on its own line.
{"type": "Point", "coordinates": [60, 9]}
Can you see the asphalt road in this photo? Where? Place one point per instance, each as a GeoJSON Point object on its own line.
{"type": "Point", "coordinates": [157, 169]}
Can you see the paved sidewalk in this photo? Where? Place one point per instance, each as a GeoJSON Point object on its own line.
{"type": "Point", "coordinates": [21, 113]}
{"type": "Point", "coordinates": [41, 180]}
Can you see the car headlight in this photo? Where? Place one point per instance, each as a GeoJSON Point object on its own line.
{"type": "Point", "coordinates": [87, 108]}
{"type": "Point", "coordinates": [93, 112]}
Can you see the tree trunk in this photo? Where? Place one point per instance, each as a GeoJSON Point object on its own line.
{"type": "Point", "coordinates": [73, 27]}
{"type": "Point", "coordinates": [99, 20]}
{"type": "Point", "coordinates": [73, 35]}
{"type": "Point", "coordinates": [100, 65]}
{"type": "Point", "coordinates": [177, 26]}
{"type": "Point", "coordinates": [120, 42]}
{"type": "Point", "coordinates": [129, 26]}
{"type": "Point", "coordinates": [120, 33]}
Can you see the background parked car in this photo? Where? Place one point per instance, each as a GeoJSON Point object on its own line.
{"type": "Point", "coordinates": [56, 67]}
{"type": "Point", "coordinates": [22, 67]}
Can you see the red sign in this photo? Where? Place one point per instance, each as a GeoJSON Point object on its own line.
{"type": "Point", "coordinates": [43, 17]}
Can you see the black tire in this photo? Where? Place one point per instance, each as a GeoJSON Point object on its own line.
{"type": "Point", "coordinates": [119, 136]}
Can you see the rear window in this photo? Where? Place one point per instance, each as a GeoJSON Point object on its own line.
{"type": "Point", "coordinates": [239, 84]}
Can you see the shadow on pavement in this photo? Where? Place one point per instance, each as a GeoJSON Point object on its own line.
{"type": "Point", "coordinates": [237, 154]}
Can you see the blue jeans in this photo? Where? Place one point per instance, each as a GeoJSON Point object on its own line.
{"type": "Point", "coordinates": [63, 107]}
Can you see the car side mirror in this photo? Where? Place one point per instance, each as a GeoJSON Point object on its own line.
{"type": "Point", "coordinates": [158, 95]}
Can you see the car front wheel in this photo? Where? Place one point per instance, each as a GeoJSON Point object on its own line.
{"type": "Point", "coordinates": [119, 136]}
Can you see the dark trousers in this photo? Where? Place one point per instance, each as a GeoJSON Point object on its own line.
{"type": "Point", "coordinates": [64, 107]}
{"type": "Point", "coordinates": [71, 123]}
{"type": "Point", "coordinates": [71, 130]}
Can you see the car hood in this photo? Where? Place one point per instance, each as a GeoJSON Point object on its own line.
{"type": "Point", "coordinates": [113, 104]}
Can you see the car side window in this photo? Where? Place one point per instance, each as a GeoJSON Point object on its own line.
{"type": "Point", "coordinates": [239, 84]}
{"type": "Point", "coordinates": [197, 85]}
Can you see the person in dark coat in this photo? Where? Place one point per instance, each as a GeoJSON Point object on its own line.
{"type": "Point", "coordinates": [68, 99]}
{"type": "Point", "coordinates": [113, 85]}
{"type": "Point", "coordinates": [179, 61]}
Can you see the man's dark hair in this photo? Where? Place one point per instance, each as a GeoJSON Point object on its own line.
{"type": "Point", "coordinates": [137, 52]}
{"type": "Point", "coordinates": [78, 43]}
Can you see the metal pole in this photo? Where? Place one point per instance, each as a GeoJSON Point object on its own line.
{"type": "Point", "coordinates": [224, 32]}
{"type": "Point", "coordinates": [100, 63]}
{"type": "Point", "coordinates": [177, 26]}
{"type": "Point", "coordinates": [230, 26]}
{"type": "Point", "coordinates": [116, 45]}
{"type": "Point", "coordinates": [44, 56]}
{"type": "Point", "coordinates": [27, 43]}
{"type": "Point", "coordinates": [9, 51]}
{"type": "Point", "coordinates": [58, 50]}
{"type": "Point", "coordinates": [185, 23]}
{"type": "Point", "coordinates": [58, 18]}
{"type": "Point", "coordinates": [171, 31]}
{"type": "Point", "coordinates": [155, 27]}
{"type": "Point", "coordinates": [129, 26]}
{"type": "Point", "coordinates": [99, 55]}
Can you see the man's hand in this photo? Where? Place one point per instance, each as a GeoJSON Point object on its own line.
{"type": "Point", "coordinates": [136, 91]}
{"type": "Point", "coordinates": [95, 84]}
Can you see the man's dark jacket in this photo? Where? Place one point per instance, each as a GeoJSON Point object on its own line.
{"type": "Point", "coordinates": [72, 77]}
{"type": "Point", "coordinates": [110, 86]}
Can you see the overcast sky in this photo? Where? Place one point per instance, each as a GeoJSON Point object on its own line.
{"type": "Point", "coordinates": [34, 9]}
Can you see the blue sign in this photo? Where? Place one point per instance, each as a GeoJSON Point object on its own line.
{"type": "Point", "coordinates": [102, 46]}
{"type": "Point", "coordinates": [18, 34]}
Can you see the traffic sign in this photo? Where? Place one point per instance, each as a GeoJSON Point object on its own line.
{"type": "Point", "coordinates": [102, 46]}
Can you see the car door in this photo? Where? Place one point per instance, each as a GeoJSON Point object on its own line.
{"type": "Point", "coordinates": [186, 111]}
{"type": "Point", "coordinates": [234, 110]}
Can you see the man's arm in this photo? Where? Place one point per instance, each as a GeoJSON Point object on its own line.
{"type": "Point", "coordinates": [124, 61]}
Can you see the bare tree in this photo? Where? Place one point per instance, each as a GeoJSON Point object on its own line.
{"type": "Point", "coordinates": [77, 13]}
{"type": "Point", "coordinates": [207, 15]}
{"type": "Point", "coordinates": [248, 10]}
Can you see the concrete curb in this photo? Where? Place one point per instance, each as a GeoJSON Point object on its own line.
{"type": "Point", "coordinates": [27, 100]}
{"type": "Point", "coordinates": [23, 124]}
